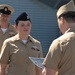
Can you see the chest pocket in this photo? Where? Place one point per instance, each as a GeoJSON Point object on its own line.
{"type": "Point", "coordinates": [18, 53]}
{"type": "Point", "coordinates": [34, 52]}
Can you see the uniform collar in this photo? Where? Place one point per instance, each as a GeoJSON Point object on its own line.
{"type": "Point", "coordinates": [30, 38]}
{"type": "Point", "coordinates": [71, 29]}
{"type": "Point", "coordinates": [9, 26]}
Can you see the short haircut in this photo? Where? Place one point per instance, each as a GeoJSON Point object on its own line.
{"type": "Point", "coordinates": [68, 16]}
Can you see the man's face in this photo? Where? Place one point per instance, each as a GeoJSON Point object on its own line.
{"type": "Point", "coordinates": [61, 25]}
{"type": "Point", "coordinates": [24, 27]}
{"type": "Point", "coordinates": [4, 18]}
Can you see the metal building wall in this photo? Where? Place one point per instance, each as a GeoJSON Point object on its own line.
{"type": "Point", "coordinates": [44, 23]}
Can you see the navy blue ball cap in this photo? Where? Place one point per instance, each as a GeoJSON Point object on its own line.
{"type": "Point", "coordinates": [23, 17]}
{"type": "Point", "coordinates": [6, 9]}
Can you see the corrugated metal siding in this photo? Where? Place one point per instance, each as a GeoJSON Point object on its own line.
{"type": "Point", "coordinates": [44, 24]}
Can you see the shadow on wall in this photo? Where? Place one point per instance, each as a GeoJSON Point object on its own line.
{"type": "Point", "coordinates": [54, 3]}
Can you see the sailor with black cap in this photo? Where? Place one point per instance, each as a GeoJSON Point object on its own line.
{"type": "Point", "coordinates": [6, 9]}
{"type": "Point", "coordinates": [60, 59]}
{"type": "Point", "coordinates": [6, 29]}
{"type": "Point", "coordinates": [19, 48]}
{"type": "Point", "coordinates": [22, 17]}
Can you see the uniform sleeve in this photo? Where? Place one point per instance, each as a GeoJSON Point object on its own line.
{"type": "Point", "coordinates": [41, 52]}
{"type": "Point", "coordinates": [4, 56]}
{"type": "Point", "coordinates": [53, 56]}
{"type": "Point", "coordinates": [39, 47]}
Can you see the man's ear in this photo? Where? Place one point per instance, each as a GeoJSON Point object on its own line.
{"type": "Point", "coordinates": [15, 26]}
{"type": "Point", "coordinates": [62, 20]}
